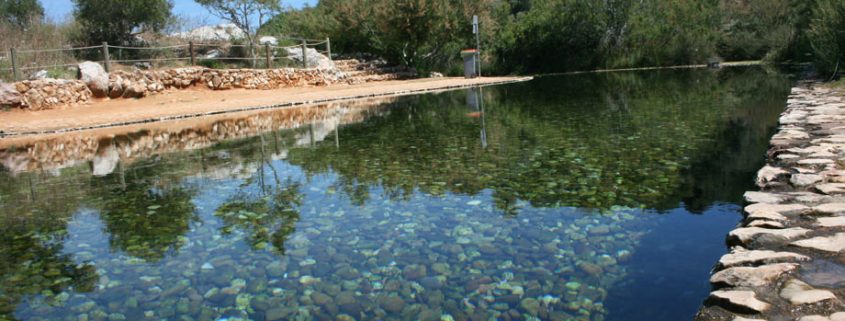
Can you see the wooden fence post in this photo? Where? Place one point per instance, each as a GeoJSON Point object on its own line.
{"type": "Point", "coordinates": [191, 52]}
{"type": "Point", "coordinates": [267, 55]}
{"type": "Point", "coordinates": [15, 72]}
{"type": "Point", "coordinates": [304, 55]}
{"type": "Point", "coordinates": [329, 48]}
{"type": "Point", "coordinates": [106, 62]}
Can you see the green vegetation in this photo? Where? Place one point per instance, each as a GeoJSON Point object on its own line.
{"type": "Point", "coordinates": [117, 22]}
{"type": "Point", "coordinates": [517, 36]}
{"type": "Point", "coordinates": [21, 13]}
{"type": "Point", "coordinates": [827, 34]}
{"type": "Point", "coordinates": [562, 35]}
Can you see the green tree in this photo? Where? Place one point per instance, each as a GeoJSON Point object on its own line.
{"type": "Point", "coordinates": [21, 13]}
{"type": "Point", "coordinates": [248, 15]}
{"type": "Point", "coordinates": [119, 21]}
{"type": "Point", "coordinates": [827, 34]}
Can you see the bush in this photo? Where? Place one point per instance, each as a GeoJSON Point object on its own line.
{"type": "Point", "coordinates": [827, 35]}
{"type": "Point", "coordinates": [208, 63]}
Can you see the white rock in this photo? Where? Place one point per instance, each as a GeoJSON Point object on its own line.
{"type": "Point", "coordinates": [838, 221]}
{"type": "Point", "coordinates": [747, 234]}
{"type": "Point", "coordinates": [831, 188]}
{"type": "Point", "coordinates": [740, 256]}
{"type": "Point", "coordinates": [744, 300]}
{"type": "Point", "coordinates": [9, 96]}
{"type": "Point", "coordinates": [762, 197]}
{"type": "Point", "coordinates": [769, 174]}
{"type": "Point", "coordinates": [802, 180]}
{"type": "Point", "coordinates": [816, 161]}
{"type": "Point", "coordinates": [835, 244]}
{"type": "Point", "coordinates": [784, 209]}
{"type": "Point", "coordinates": [752, 276]}
{"type": "Point", "coordinates": [95, 77]}
{"type": "Point", "coordinates": [766, 224]}
{"type": "Point", "coordinates": [798, 292]}
{"type": "Point", "coordinates": [766, 215]}
{"type": "Point", "coordinates": [830, 208]}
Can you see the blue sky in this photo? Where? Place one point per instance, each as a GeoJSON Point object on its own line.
{"type": "Point", "coordinates": [60, 9]}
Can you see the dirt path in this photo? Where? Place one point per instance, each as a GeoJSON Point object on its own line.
{"type": "Point", "coordinates": [195, 103]}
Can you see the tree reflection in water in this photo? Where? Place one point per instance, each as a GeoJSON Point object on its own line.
{"type": "Point", "coordinates": [268, 217]}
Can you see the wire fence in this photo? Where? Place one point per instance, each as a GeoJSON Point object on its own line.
{"type": "Point", "coordinates": [19, 64]}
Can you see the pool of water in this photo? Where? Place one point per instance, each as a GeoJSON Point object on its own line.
{"type": "Point", "coordinates": [587, 197]}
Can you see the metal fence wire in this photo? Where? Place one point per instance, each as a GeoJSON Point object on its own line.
{"type": "Point", "coordinates": [14, 62]}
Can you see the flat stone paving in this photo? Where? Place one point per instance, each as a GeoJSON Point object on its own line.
{"type": "Point", "coordinates": [787, 256]}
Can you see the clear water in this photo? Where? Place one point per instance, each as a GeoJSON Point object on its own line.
{"type": "Point", "coordinates": [589, 197]}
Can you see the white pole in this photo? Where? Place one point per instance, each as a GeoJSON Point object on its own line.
{"type": "Point", "coordinates": [476, 31]}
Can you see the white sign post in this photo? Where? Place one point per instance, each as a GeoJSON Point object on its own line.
{"type": "Point", "coordinates": [476, 32]}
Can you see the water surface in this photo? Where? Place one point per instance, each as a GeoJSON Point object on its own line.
{"type": "Point", "coordinates": [589, 197]}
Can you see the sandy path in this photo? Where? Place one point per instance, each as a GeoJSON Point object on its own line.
{"type": "Point", "coordinates": [194, 103]}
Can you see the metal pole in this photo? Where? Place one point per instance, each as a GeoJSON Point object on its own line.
{"type": "Point", "coordinates": [267, 55]}
{"type": "Point", "coordinates": [15, 72]}
{"type": "Point", "coordinates": [478, 50]}
{"type": "Point", "coordinates": [106, 63]}
{"type": "Point", "coordinates": [304, 55]}
{"type": "Point", "coordinates": [329, 48]}
{"type": "Point", "coordinates": [191, 52]}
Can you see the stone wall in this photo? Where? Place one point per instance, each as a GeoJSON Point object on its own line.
{"type": "Point", "coordinates": [47, 93]}
{"type": "Point", "coordinates": [787, 256]}
{"type": "Point", "coordinates": [53, 93]}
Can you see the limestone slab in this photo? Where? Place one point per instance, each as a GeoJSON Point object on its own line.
{"type": "Point", "coordinates": [838, 221]}
{"type": "Point", "coordinates": [743, 300]}
{"type": "Point", "coordinates": [831, 188]}
{"type": "Point", "coordinates": [784, 209]}
{"type": "Point", "coordinates": [762, 197]}
{"type": "Point", "coordinates": [798, 292]}
{"type": "Point", "coordinates": [766, 224]}
{"type": "Point", "coordinates": [830, 208]}
{"type": "Point", "coordinates": [816, 161]}
{"type": "Point", "coordinates": [769, 174]}
{"type": "Point", "coordinates": [747, 234]}
{"type": "Point", "coordinates": [766, 215]}
{"type": "Point", "coordinates": [804, 180]}
{"type": "Point", "coordinates": [835, 244]}
{"type": "Point", "coordinates": [741, 256]}
{"type": "Point", "coordinates": [752, 276]}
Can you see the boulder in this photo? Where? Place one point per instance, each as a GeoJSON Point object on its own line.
{"type": "Point", "coordinates": [315, 58]}
{"type": "Point", "coordinates": [9, 95]}
{"type": "Point", "coordinates": [95, 77]}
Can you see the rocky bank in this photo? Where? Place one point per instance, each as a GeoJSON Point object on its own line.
{"type": "Point", "coordinates": [787, 257]}
{"type": "Point", "coordinates": [94, 82]}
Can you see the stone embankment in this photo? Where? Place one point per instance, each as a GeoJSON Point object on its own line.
{"type": "Point", "coordinates": [787, 257]}
{"type": "Point", "coordinates": [94, 82]}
